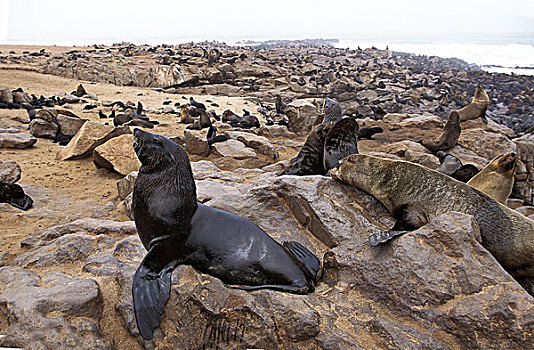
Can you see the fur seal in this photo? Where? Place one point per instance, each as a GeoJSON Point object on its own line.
{"type": "Point", "coordinates": [409, 192]}
{"type": "Point", "coordinates": [14, 195]}
{"type": "Point", "coordinates": [310, 160]}
{"type": "Point", "coordinates": [448, 137]}
{"type": "Point", "coordinates": [452, 166]}
{"type": "Point", "coordinates": [496, 179]}
{"type": "Point", "coordinates": [368, 133]}
{"type": "Point", "coordinates": [213, 137]}
{"type": "Point", "coordinates": [185, 117]}
{"type": "Point", "coordinates": [332, 111]}
{"type": "Point", "coordinates": [196, 104]}
{"type": "Point", "coordinates": [175, 229]}
{"type": "Point", "coordinates": [477, 107]}
{"type": "Point", "coordinates": [341, 141]}
{"type": "Point", "coordinates": [203, 122]}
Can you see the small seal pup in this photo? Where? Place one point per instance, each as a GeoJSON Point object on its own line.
{"type": "Point", "coordinates": [448, 137]}
{"type": "Point", "coordinates": [496, 179]}
{"type": "Point", "coordinates": [477, 107]}
{"type": "Point", "coordinates": [175, 229]}
{"type": "Point", "coordinates": [414, 195]}
{"type": "Point", "coordinates": [341, 141]}
{"type": "Point", "coordinates": [368, 133]}
{"type": "Point", "coordinates": [204, 121]}
{"type": "Point", "coordinates": [452, 166]}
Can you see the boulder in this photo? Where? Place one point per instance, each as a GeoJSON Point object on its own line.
{"type": "Point", "coordinates": [6, 96]}
{"type": "Point", "coordinates": [69, 125]}
{"type": "Point", "coordinates": [42, 128]}
{"type": "Point", "coordinates": [274, 131]}
{"type": "Point", "coordinates": [56, 310]}
{"type": "Point", "coordinates": [302, 115]}
{"type": "Point", "coordinates": [400, 148]}
{"type": "Point", "coordinates": [258, 143]}
{"type": "Point", "coordinates": [486, 144]}
{"type": "Point", "coordinates": [90, 136]}
{"type": "Point", "coordinates": [422, 122]}
{"type": "Point", "coordinates": [117, 155]}
{"type": "Point", "coordinates": [16, 140]}
{"type": "Point", "coordinates": [196, 143]}
{"type": "Point", "coordinates": [9, 171]}
{"type": "Point", "coordinates": [234, 149]}
{"type": "Point", "coordinates": [428, 160]}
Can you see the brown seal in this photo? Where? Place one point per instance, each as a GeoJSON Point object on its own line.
{"type": "Point", "coordinates": [185, 117]}
{"type": "Point", "coordinates": [448, 137]}
{"type": "Point", "coordinates": [415, 195]}
{"type": "Point", "coordinates": [477, 107]}
{"type": "Point", "coordinates": [496, 179]}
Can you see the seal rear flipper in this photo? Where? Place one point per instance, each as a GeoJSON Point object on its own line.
{"type": "Point", "coordinates": [384, 236]}
{"type": "Point", "coordinates": [307, 261]}
{"type": "Point", "coordinates": [150, 290]}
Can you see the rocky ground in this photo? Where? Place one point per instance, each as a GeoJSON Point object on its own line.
{"type": "Point", "coordinates": [68, 262]}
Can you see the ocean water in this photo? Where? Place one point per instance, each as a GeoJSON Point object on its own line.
{"type": "Point", "coordinates": [503, 53]}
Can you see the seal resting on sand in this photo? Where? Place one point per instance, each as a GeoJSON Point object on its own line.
{"type": "Point", "coordinates": [414, 195]}
{"type": "Point", "coordinates": [175, 229]}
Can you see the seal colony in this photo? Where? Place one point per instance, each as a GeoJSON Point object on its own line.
{"type": "Point", "coordinates": [409, 193]}
{"type": "Point", "coordinates": [175, 229]}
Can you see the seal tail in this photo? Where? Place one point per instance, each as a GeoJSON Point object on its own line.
{"type": "Point", "coordinates": [384, 236]}
{"type": "Point", "coordinates": [307, 261]}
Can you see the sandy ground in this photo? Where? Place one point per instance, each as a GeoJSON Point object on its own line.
{"type": "Point", "coordinates": [64, 191]}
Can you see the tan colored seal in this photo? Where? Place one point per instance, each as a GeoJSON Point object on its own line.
{"type": "Point", "coordinates": [477, 107]}
{"type": "Point", "coordinates": [496, 179]}
{"type": "Point", "coordinates": [448, 137]}
{"type": "Point", "coordinates": [415, 194]}
{"type": "Point", "coordinates": [185, 117]}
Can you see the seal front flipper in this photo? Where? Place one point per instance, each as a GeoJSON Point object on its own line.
{"type": "Point", "coordinates": [384, 236]}
{"type": "Point", "coordinates": [151, 288]}
{"type": "Point", "coordinates": [307, 261]}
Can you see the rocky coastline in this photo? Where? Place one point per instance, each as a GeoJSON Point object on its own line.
{"type": "Point", "coordinates": [67, 264]}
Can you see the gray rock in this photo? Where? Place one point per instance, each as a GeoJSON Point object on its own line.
{"type": "Point", "coordinates": [6, 96]}
{"type": "Point", "coordinates": [210, 189]}
{"type": "Point", "coordinates": [233, 149]}
{"type": "Point", "coordinates": [44, 129]}
{"type": "Point", "coordinates": [302, 114]}
{"type": "Point", "coordinates": [9, 171]}
{"type": "Point", "coordinates": [16, 140]}
{"type": "Point", "coordinates": [258, 143]}
{"type": "Point", "coordinates": [56, 311]}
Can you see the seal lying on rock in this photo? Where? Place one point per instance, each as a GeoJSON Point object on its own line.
{"type": "Point", "coordinates": [496, 179]}
{"type": "Point", "coordinates": [414, 195]}
{"type": "Point", "coordinates": [175, 229]}
{"type": "Point", "coordinates": [14, 195]}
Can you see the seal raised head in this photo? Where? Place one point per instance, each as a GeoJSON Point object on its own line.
{"type": "Point", "coordinates": [496, 179]}
{"type": "Point", "coordinates": [175, 229]}
{"type": "Point", "coordinates": [477, 107]}
{"type": "Point", "coordinates": [448, 137]}
{"type": "Point", "coordinates": [415, 194]}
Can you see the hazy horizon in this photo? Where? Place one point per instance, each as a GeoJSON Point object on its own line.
{"type": "Point", "coordinates": [61, 21]}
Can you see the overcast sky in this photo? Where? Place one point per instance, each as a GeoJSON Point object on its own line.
{"type": "Point", "coordinates": [61, 21]}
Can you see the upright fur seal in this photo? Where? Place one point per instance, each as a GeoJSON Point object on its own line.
{"type": "Point", "coordinates": [332, 111]}
{"type": "Point", "coordinates": [414, 195]}
{"type": "Point", "coordinates": [341, 141]}
{"type": "Point", "coordinates": [448, 137]}
{"type": "Point", "coordinates": [496, 179]}
{"type": "Point", "coordinates": [175, 229]}
{"type": "Point", "coordinates": [477, 107]}
{"type": "Point", "coordinates": [185, 117]}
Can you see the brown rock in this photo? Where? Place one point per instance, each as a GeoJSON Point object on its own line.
{"type": "Point", "coordinates": [69, 125]}
{"type": "Point", "coordinates": [9, 171]}
{"type": "Point", "coordinates": [117, 155]}
{"type": "Point", "coordinates": [258, 143]}
{"type": "Point", "coordinates": [196, 143]}
{"type": "Point", "coordinates": [486, 144]}
{"type": "Point", "coordinates": [6, 96]}
{"type": "Point", "coordinates": [302, 115]}
{"type": "Point", "coordinates": [90, 136]}
{"type": "Point", "coordinates": [234, 149]}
